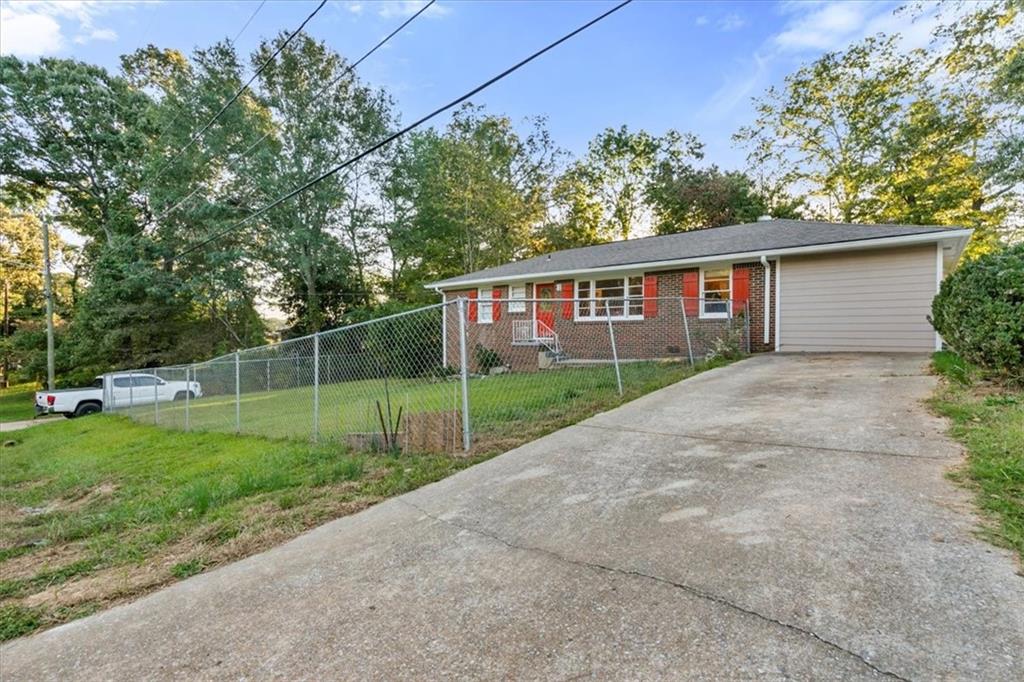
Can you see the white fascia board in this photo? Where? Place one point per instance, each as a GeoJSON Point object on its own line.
{"type": "Point", "coordinates": [960, 237]}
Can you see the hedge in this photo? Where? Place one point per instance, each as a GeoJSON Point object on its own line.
{"type": "Point", "coordinates": [979, 312]}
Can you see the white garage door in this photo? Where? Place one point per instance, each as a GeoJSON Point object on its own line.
{"type": "Point", "coordinates": [858, 301]}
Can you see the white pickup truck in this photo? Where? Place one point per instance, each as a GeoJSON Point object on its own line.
{"type": "Point", "coordinates": [126, 390]}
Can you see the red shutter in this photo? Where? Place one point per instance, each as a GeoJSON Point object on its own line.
{"type": "Point", "coordinates": [567, 293]}
{"type": "Point", "coordinates": [472, 306]}
{"type": "Point", "coordinates": [691, 284]}
{"type": "Point", "coordinates": [650, 295]}
{"type": "Point", "coordinates": [496, 306]}
{"type": "Point", "coordinates": [740, 289]}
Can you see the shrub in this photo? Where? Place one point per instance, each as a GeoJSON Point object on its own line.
{"type": "Point", "coordinates": [979, 312]}
{"type": "Point", "coordinates": [487, 359]}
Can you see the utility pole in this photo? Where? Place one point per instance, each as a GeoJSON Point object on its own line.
{"type": "Point", "coordinates": [4, 382]}
{"type": "Point", "coordinates": [48, 293]}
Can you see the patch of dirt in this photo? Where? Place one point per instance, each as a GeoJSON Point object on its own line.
{"type": "Point", "coordinates": [77, 502]}
{"type": "Point", "coordinates": [263, 526]}
{"type": "Point", "coordinates": [66, 504]}
{"type": "Point", "coordinates": [49, 558]}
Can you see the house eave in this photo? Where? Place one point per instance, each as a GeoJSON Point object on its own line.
{"type": "Point", "coordinates": [959, 239]}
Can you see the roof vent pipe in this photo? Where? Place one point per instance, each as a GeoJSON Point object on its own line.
{"type": "Point", "coordinates": [764, 218]}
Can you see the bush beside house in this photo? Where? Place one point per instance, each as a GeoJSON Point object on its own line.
{"type": "Point", "coordinates": [979, 312]}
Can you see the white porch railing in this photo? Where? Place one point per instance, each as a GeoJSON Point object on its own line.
{"type": "Point", "coordinates": [535, 333]}
{"type": "Point", "coordinates": [522, 332]}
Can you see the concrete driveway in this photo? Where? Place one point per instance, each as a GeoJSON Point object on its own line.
{"type": "Point", "coordinates": [784, 517]}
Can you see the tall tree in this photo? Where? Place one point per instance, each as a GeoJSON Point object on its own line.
{"type": "Point", "coordinates": [197, 183]}
{"type": "Point", "coordinates": [79, 132]}
{"type": "Point", "coordinates": [687, 198]}
{"type": "Point", "coordinates": [618, 169]}
{"type": "Point", "coordinates": [312, 243]}
{"type": "Point", "coordinates": [474, 193]}
{"type": "Point", "coordinates": [877, 134]}
{"type": "Point", "coordinates": [576, 215]}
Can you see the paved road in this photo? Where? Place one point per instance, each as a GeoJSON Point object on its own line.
{"type": "Point", "coordinates": [25, 423]}
{"type": "Point", "coordinates": [784, 517]}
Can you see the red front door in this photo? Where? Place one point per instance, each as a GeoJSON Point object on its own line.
{"type": "Point", "coordinates": [544, 309]}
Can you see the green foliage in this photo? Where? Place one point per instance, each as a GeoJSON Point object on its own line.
{"type": "Point", "coordinates": [992, 429]}
{"type": "Point", "coordinates": [688, 198]}
{"type": "Point", "coordinates": [881, 135]}
{"type": "Point", "coordinates": [16, 621]}
{"type": "Point", "coordinates": [487, 359]}
{"type": "Point", "coordinates": [406, 346]}
{"type": "Point", "coordinates": [953, 367]}
{"type": "Point", "coordinates": [317, 244]}
{"type": "Point", "coordinates": [465, 198]}
{"type": "Point", "coordinates": [979, 312]}
{"type": "Point", "coordinates": [188, 568]}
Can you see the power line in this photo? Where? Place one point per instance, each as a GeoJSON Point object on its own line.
{"type": "Point", "coordinates": [248, 21]}
{"type": "Point", "coordinates": [400, 133]}
{"type": "Point", "coordinates": [240, 90]}
{"type": "Point", "coordinates": [317, 96]}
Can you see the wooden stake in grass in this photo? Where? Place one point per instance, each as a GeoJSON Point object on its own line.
{"type": "Point", "coordinates": [383, 426]}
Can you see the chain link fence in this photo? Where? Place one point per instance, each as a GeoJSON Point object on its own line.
{"type": "Point", "coordinates": [460, 375]}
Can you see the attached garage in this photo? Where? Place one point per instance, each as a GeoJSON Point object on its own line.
{"type": "Point", "coordinates": [873, 300]}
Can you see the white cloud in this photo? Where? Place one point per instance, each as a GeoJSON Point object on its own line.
{"type": "Point", "coordinates": [354, 7]}
{"type": "Point", "coordinates": [731, 22]}
{"type": "Point", "coordinates": [406, 8]}
{"type": "Point", "coordinates": [104, 34]}
{"type": "Point", "coordinates": [701, 21]}
{"type": "Point", "coordinates": [827, 27]}
{"type": "Point", "coordinates": [28, 35]}
{"type": "Point", "coordinates": [809, 29]}
{"type": "Point", "coordinates": [36, 28]}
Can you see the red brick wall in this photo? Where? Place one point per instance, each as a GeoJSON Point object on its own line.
{"type": "Point", "coordinates": [756, 306]}
{"type": "Point", "coordinates": [662, 336]}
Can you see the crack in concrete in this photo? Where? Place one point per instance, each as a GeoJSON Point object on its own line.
{"type": "Point", "coordinates": [689, 589]}
{"type": "Point", "coordinates": [718, 439]}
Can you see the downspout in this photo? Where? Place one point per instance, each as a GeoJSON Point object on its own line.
{"type": "Point", "coordinates": [767, 296]}
{"type": "Point", "coordinates": [444, 326]}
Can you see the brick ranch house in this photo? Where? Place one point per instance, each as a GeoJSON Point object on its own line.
{"type": "Point", "coordinates": [794, 286]}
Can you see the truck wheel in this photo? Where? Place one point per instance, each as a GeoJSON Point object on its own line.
{"type": "Point", "coordinates": [86, 409]}
{"type": "Point", "coordinates": [180, 395]}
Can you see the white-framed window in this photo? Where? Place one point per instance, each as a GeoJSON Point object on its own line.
{"type": "Point", "coordinates": [617, 297]}
{"type": "Point", "coordinates": [715, 291]}
{"type": "Point", "coordinates": [485, 313]}
{"type": "Point", "coordinates": [517, 298]}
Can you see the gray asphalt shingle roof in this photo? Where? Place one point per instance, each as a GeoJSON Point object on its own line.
{"type": "Point", "coordinates": [719, 241]}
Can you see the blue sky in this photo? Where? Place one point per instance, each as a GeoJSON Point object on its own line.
{"type": "Point", "coordinates": [692, 66]}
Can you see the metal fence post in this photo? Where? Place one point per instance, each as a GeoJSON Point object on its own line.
{"type": "Point", "coordinates": [464, 366]}
{"type": "Point", "coordinates": [188, 392]}
{"type": "Point", "coordinates": [615, 351]}
{"type": "Point", "coordinates": [686, 327]}
{"type": "Point", "coordinates": [107, 407]}
{"type": "Point", "coordinates": [131, 390]}
{"type": "Point", "coordinates": [238, 394]}
{"type": "Point", "coordinates": [156, 399]}
{"type": "Point", "coordinates": [316, 387]}
{"type": "Point", "coordinates": [268, 374]}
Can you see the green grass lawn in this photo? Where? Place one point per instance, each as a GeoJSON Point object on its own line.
{"type": "Point", "coordinates": [101, 509]}
{"type": "Point", "coordinates": [989, 421]}
{"type": "Point", "coordinates": [501, 407]}
{"type": "Point", "coordinates": [16, 402]}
